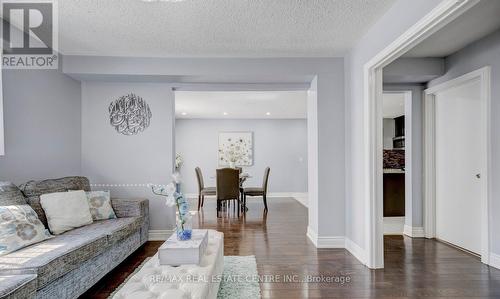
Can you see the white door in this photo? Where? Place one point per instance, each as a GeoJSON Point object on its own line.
{"type": "Point", "coordinates": [458, 165]}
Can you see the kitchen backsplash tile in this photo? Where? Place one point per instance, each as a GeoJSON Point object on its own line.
{"type": "Point", "coordinates": [394, 159]}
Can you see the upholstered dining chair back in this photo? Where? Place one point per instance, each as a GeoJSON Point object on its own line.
{"type": "Point", "coordinates": [199, 177]}
{"type": "Point", "coordinates": [228, 184]}
{"type": "Point", "coordinates": [266, 179]}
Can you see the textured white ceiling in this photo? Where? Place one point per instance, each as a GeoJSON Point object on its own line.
{"type": "Point", "coordinates": [477, 22]}
{"type": "Point", "coordinates": [394, 105]}
{"type": "Point", "coordinates": [215, 28]}
{"type": "Point", "coordinates": [241, 104]}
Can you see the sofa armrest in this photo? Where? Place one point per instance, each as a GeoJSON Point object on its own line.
{"type": "Point", "coordinates": [130, 207]}
{"type": "Point", "coordinates": [134, 208]}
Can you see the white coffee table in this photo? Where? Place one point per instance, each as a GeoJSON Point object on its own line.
{"type": "Point", "coordinates": [186, 281]}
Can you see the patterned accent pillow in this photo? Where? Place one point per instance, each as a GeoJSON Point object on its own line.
{"type": "Point", "coordinates": [20, 227]}
{"type": "Point", "coordinates": [100, 205]}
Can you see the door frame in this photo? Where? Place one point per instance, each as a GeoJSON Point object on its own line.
{"type": "Point", "coordinates": [442, 14]}
{"type": "Point", "coordinates": [484, 75]}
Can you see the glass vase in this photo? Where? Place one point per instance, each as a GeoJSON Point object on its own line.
{"type": "Point", "coordinates": [184, 228]}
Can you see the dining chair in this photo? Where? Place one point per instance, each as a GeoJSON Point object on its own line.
{"type": "Point", "coordinates": [202, 190]}
{"type": "Point", "coordinates": [240, 171]}
{"type": "Point", "coordinates": [227, 187]}
{"type": "Point", "coordinates": [257, 191]}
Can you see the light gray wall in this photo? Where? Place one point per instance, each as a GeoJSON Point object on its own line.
{"type": "Point", "coordinates": [414, 212]}
{"type": "Point", "coordinates": [330, 121]}
{"type": "Point", "coordinates": [389, 132]}
{"type": "Point", "coordinates": [401, 16]}
{"type": "Point", "coordinates": [413, 70]}
{"type": "Point", "coordinates": [42, 125]}
{"type": "Point", "coordinates": [485, 52]}
{"type": "Point", "coordinates": [279, 144]}
{"type": "Point", "coordinates": [112, 158]}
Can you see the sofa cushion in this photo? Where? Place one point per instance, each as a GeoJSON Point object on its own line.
{"type": "Point", "coordinates": [254, 191]}
{"type": "Point", "coordinates": [115, 229]}
{"type": "Point", "coordinates": [18, 286]}
{"type": "Point", "coordinates": [33, 189]}
{"type": "Point", "coordinates": [10, 195]}
{"type": "Point", "coordinates": [53, 258]}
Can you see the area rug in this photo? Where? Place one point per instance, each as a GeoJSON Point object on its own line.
{"type": "Point", "coordinates": [239, 279]}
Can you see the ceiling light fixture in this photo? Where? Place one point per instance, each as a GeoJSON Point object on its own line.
{"type": "Point", "coordinates": [268, 113]}
{"type": "Point", "coordinates": [183, 113]}
{"type": "Point", "coordinates": [225, 113]}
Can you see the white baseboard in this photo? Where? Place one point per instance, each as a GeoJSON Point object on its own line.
{"type": "Point", "coordinates": [159, 234]}
{"type": "Point", "coordinates": [301, 197]}
{"type": "Point", "coordinates": [355, 250]}
{"type": "Point", "coordinates": [312, 236]}
{"type": "Point", "coordinates": [325, 242]}
{"type": "Point", "coordinates": [337, 242]}
{"type": "Point", "coordinates": [494, 260]}
{"type": "Point", "coordinates": [414, 231]}
{"type": "Point", "coordinates": [394, 225]}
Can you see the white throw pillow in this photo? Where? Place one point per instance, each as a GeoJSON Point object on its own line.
{"type": "Point", "coordinates": [20, 227]}
{"type": "Point", "coordinates": [100, 205]}
{"type": "Point", "coordinates": [66, 210]}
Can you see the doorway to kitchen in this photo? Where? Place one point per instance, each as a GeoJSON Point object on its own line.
{"type": "Point", "coordinates": [411, 45]}
{"type": "Point", "coordinates": [397, 181]}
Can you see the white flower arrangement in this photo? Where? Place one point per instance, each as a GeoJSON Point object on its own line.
{"type": "Point", "coordinates": [173, 197]}
{"type": "Point", "coordinates": [168, 191]}
{"type": "Point", "coordinates": [178, 161]}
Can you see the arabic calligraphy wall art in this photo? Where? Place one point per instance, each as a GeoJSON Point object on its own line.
{"type": "Point", "coordinates": [129, 115]}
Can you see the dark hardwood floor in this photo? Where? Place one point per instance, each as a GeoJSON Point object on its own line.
{"type": "Point", "coordinates": [414, 268]}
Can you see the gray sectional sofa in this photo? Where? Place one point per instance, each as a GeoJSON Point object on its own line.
{"type": "Point", "coordinates": [69, 264]}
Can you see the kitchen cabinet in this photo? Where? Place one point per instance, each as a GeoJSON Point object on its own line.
{"type": "Point", "coordinates": [394, 193]}
{"type": "Point", "coordinates": [399, 123]}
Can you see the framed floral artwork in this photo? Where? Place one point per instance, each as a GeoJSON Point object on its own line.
{"type": "Point", "coordinates": [235, 149]}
